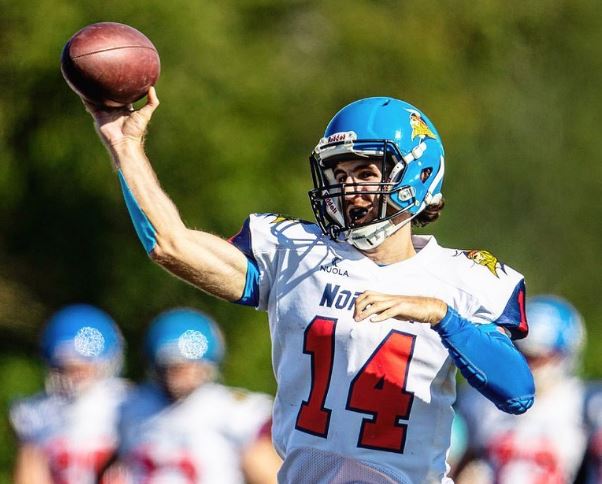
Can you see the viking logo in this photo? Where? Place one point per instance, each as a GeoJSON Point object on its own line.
{"type": "Point", "coordinates": [487, 259]}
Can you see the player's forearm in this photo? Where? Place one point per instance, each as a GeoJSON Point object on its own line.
{"type": "Point", "coordinates": [489, 361]}
{"type": "Point", "coordinates": [200, 258]}
{"type": "Point", "coordinates": [31, 466]}
{"type": "Point", "coordinates": [137, 176]}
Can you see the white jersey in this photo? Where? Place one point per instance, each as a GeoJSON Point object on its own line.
{"type": "Point", "coordinates": [593, 417]}
{"type": "Point", "coordinates": [361, 394]}
{"type": "Point", "coordinates": [78, 435]}
{"type": "Point", "coordinates": [198, 439]}
{"type": "Point", "coordinates": [545, 445]}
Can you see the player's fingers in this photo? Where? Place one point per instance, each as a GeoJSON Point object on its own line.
{"type": "Point", "coordinates": [369, 297]}
{"type": "Point", "coordinates": [148, 109]}
{"type": "Point", "coordinates": [372, 309]}
{"type": "Point", "coordinates": [396, 311]}
{"type": "Point", "coordinates": [371, 305]}
{"type": "Point", "coordinates": [152, 96]}
{"type": "Point", "coordinates": [362, 302]}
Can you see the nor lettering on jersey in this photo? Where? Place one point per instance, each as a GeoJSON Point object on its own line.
{"type": "Point", "coordinates": [333, 295]}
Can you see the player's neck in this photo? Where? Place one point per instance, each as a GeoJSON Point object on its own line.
{"type": "Point", "coordinates": [396, 248]}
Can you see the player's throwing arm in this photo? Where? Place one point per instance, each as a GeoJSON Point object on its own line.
{"type": "Point", "coordinates": [200, 258]}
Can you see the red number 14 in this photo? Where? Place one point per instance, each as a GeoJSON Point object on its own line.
{"type": "Point", "coordinates": [378, 389]}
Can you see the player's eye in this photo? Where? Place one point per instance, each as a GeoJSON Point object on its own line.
{"type": "Point", "coordinates": [368, 175]}
{"type": "Point", "coordinates": [340, 177]}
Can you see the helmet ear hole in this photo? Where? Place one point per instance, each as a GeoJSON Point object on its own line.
{"type": "Point", "coordinates": [425, 174]}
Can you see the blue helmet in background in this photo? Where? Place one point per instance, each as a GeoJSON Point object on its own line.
{"type": "Point", "coordinates": [81, 332]}
{"type": "Point", "coordinates": [555, 327]}
{"type": "Point", "coordinates": [184, 334]}
{"type": "Point", "coordinates": [402, 141]}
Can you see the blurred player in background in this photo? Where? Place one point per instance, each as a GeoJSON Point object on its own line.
{"type": "Point", "coordinates": [68, 432]}
{"type": "Point", "coordinates": [547, 444]}
{"type": "Point", "coordinates": [182, 427]}
{"type": "Point", "coordinates": [592, 469]}
{"type": "Point", "coordinates": [356, 401]}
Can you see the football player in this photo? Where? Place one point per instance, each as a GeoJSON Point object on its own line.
{"type": "Point", "coordinates": [184, 427]}
{"type": "Point", "coordinates": [68, 432]}
{"type": "Point", "coordinates": [547, 444]}
{"type": "Point", "coordinates": [368, 321]}
{"type": "Point", "coordinates": [592, 469]}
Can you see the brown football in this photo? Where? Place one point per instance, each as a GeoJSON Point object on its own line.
{"type": "Point", "coordinates": [111, 64]}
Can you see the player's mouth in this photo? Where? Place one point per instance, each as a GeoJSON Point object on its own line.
{"type": "Point", "coordinates": [359, 215]}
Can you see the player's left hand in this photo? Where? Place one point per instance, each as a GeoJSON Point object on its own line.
{"type": "Point", "coordinates": [379, 306]}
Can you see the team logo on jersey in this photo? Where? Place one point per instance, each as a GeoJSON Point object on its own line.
{"type": "Point", "coordinates": [282, 218]}
{"type": "Point", "coordinates": [419, 126]}
{"type": "Point", "coordinates": [333, 268]}
{"type": "Point", "coordinates": [487, 259]}
{"type": "Point", "coordinates": [286, 218]}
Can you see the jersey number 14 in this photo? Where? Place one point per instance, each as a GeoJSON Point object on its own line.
{"type": "Point", "coordinates": [378, 388]}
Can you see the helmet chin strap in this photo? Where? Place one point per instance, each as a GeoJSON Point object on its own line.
{"type": "Point", "coordinates": [371, 236]}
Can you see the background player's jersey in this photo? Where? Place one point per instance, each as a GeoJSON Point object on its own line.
{"type": "Point", "coordinates": [376, 393]}
{"type": "Point", "coordinates": [78, 435]}
{"type": "Point", "coordinates": [543, 446]}
{"type": "Point", "coordinates": [593, 417]}
{"type": "Point", "coordinates": [198, 439]}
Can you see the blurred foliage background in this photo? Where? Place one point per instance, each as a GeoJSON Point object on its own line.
{"type": "Point", "coordinates": [247, 87]}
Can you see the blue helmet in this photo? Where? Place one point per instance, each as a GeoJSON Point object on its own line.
{"type": "Point", "coordinates": [407, 147]}
{"type": "Point", "coordinates": [81, 332]}
{"type": "Point", "coordinates": [184, 334]}
{"type": "Point", "coordinates": [555, 327]}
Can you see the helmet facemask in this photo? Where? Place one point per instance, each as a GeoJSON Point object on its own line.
{"type": "Point", "coordinates": [328, 198]}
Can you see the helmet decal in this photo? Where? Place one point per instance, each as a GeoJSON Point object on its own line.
{"type": "Point", "coordinates": [193, 344]}
{"type": "Point", "coordinates": [89, 342]}
{"type": "Point", "coordinates": [419, 127]}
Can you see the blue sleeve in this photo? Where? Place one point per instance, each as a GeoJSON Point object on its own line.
{"type": "Point", "coordinates": [144, 229]}
{"type": "Point", "coordinates": [489, 361]}
{"type": "Point", "coordinates": [242, 240]}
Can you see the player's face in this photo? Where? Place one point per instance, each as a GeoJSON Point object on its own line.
{"type": "Point", "coordinates": [360, 206]}
{"type": "Point", "coordinates": [73, 377]}
{"type": "Point", "coordinates": [180, 379]}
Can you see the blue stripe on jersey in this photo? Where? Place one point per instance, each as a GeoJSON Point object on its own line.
{"type": "Point", "coordinates": [250, 294]}
{"type": "Point", "coordinates": [144, 229]}
{"type": "Point", "coordinates": [242, 240]}
{"type": "Point", "coordinates": [489, 361]}
{"type": "Point", "coordinates": [514, 316]}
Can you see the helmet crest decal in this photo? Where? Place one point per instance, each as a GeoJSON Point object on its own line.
{"type": "Point", "coordinates": [419, 126]}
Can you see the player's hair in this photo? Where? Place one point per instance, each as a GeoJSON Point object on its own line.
{"type": "Point", "coordinates": [429, 214]}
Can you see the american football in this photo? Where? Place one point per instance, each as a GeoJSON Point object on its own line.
{"type": "Point", "coordinates": [110, 64]}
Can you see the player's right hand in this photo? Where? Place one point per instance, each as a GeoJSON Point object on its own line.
{"type": "Point", "coordinates": [122, 125]}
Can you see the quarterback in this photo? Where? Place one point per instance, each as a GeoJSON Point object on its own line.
{"type": "Point", "coordinates": [368, 322]}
